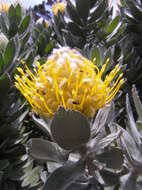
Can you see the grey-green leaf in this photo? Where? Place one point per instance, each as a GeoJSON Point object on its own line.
{"type": "Point", "coordinates": [132, 123]}
{"type": "Point", "coordinates": [42, 124]}
{"type": "Point", "coordinates": [44, 150]}
{"type": "Point", "coordinates": [106, 141]}
{"type": "Point", "coordinates": [128, 144]}
{"type": "Point", "coordinates": [110, 178]}
{"type": "Point", "coordinates": [112, 158]}
{"type": "Point", "coordinates": [64, 176]}
{"type": "Point", "coordinates": [70, 129]}
{"type": "Point", "coordinates": [137, 102]}
{"type": "Point", "coordinates": [100, 120]}
{"type": "Point", "coordinates": [129, 181]}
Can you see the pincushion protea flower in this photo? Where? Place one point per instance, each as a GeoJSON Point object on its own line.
{"type": "Point", "coordinates": [59, 6]}
{"type": "Point", "coordinates": [4, 7]}
{"type": "Point", "coordinates": [70, 80]}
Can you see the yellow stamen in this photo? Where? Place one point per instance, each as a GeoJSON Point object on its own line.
{"type": "Point", "coordinates": [62, 98]}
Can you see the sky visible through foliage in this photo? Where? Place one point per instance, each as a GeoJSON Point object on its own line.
{"type": "Point", "coordinates": [31, 3]}
{"type": "Point", "coordinates": [27, 3]}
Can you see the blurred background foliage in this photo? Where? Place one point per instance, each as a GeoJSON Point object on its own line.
{"type": "Point", "coordinates": [99, 29]}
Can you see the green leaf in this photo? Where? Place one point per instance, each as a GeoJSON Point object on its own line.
{"type": "Point", "coordinates": [73, 13]}
{"type": "Point", "coordinates": [49, 47]}
{"type": "Point", "coordinates": [95, 54]}
{"type": "Point", "coordinates": [83, 8]}
{"type": "Point", "coordinates": [4, 164]}
{"type": "Point", "coordinates": [139, 125]}
{"type": "Point", "coordinates": [75, 29]}
{"type": "Point", "coordinates": [1, 177]}
{"type": "Point", "coordinates": [25, 24]}
{"type": "Point", "coordinates": [98, 12]}
{"type": "Point", "coordinates": [70, 129]}
{"type": "Point", "coordinates": [117, 53]}
{"type": "Point", "coordinates": [108, 55]}
{"type": "Point", "coordinates": [11, 13]}
{"type": "Point", "coordinates": [12, 21]}
{"type": "Point", "coordinates": [18, 13]}
{"type": "Point", "coordinates": [24, 40]}
{"type": "Point", "coordinates": [7, 130]}
{"type": "Point", "coordinates": [1, 62]}
{"type": "Point", "coordinates": [135, 10]}
{"type": "Point", "coordinates": [64, 176]}
{"type": "Point", "coordinates": [32, 177]}
{"type": "Point", "coordinates": [116, 36]}
{"type": "Point", "coordinates": [113, 24]}
{"type": "Point", "coordinates": [9, 52]}
{"type": "Point", "coordinates": [73, 40]}
{"type": "Point", "coordinates": [4, 85]}
{"type": "Point", "coordinates": [44, 150]}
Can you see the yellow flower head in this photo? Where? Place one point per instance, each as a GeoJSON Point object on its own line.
{"type": "Point", "coordinates": [59, 6]}
{"type": "Point", "coordinates": [70, 80]}
{"type": "Point", "coordinates": [4, 7]}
